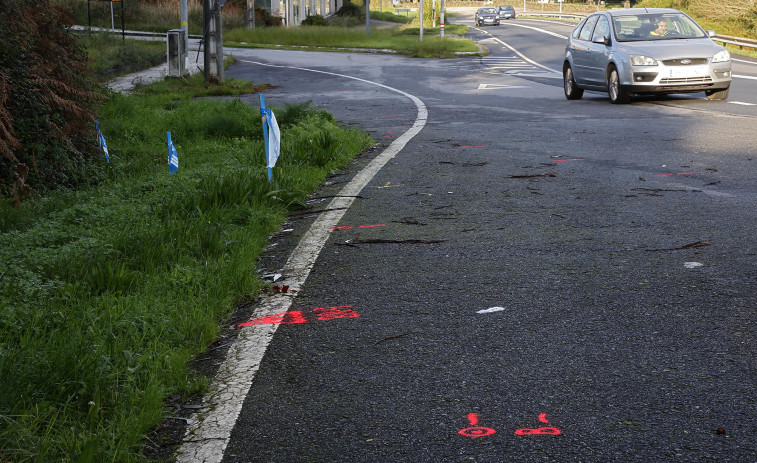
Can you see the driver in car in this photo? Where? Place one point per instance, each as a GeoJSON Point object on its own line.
{"type": "Point", "coordinates": [661, 30]}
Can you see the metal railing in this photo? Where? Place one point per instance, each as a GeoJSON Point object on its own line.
{"type": "Point", "coordinates": [738, 41]}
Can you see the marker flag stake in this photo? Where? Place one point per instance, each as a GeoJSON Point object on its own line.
{"type": "Point", "coordinates": [101, 139]}
{"type": "Point", "coordinates": [271, 135]}
{"type": "Point", "coordinates": [173, 156]}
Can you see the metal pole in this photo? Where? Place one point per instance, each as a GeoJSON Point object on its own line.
{"type": "Point", "coordinates": [123, 23]}
{"type": "Point", "coordinates": [421, 15]}
{"type": "Point", "coordinates": [185, 28]}
{"type": "Point", "coordinates": [112, 20]}
{"type": "Point", "coordinates": [441, 19]}
{"type": "Point", "coordinates": [367, 18]}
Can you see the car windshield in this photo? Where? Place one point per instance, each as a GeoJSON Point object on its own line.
{"type": "Point", "coordinates": [505, 7]}
{"type": "Point", "coordinates": [486, 11]}
{"type": "Point", "coordinates": [665, 26]}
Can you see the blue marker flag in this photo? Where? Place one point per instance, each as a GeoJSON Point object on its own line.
{"type": "Point", "coordinates": [272, 136]}
{"type": "Point", "coordinates": [173, 156]}
{"type": "Point", "coordinates": [101, 139]}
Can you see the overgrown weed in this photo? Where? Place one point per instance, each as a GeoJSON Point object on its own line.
{"type": "Point", "coordinates": [108, 292]}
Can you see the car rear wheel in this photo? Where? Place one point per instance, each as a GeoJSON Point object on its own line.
{"type": "Point", "coordinates": [717, 94]}
{"type": "Point", "coordinates": [572, 91]}
{"type": "Point", "coordinates": [618, 94]}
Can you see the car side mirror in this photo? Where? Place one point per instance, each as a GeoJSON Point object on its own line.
{"type": "Point", "coordinates": [605, 39]}
{"type": "Point", "coordinates": [711, 34]}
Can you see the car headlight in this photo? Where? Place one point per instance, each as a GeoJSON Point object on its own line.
{"type": "Point", "coordinates": [641, 60]}
{"type": "Point", "coordinates": [721, 56]}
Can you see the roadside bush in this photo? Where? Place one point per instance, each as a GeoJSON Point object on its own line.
{"type": "Point", "coordinates": [47, 98]}
{"type": "Point", "coordinates": [351, 10]}
{"type": "Point", "coordinates": [315, 20]}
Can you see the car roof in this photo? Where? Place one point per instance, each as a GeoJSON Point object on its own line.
{"type": "Point", "coordinates": [627, 11]}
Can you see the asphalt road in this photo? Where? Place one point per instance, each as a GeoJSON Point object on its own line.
{"type": "Point", "coordinates": [528, 279]}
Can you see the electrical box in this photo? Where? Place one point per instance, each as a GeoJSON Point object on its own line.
{"type": "Point", "coordinates": [177, 55]}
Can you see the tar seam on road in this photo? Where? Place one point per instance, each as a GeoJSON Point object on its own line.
{"type": "Point", "coordinates": [209, 434]}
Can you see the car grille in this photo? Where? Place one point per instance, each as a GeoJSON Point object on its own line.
{"type": "Point", "coordinates": [684, 61]}
{"type": "Point", "coordinates": [687, 80]}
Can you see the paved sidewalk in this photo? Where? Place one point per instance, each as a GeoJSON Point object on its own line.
{"type": "Point", "coordinates": [126, 83]}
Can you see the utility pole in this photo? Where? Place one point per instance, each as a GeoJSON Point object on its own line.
{"type": "Point", "coordinates": [251, 14]}
{"type": "Point", "coordinates": [185, 28]}
{"type": "Point", "coordinates": [213, 38]}
{"type": "Point", "coordinates": [421, 15]}
{"type": "Point", "coordinates": [367, 18]}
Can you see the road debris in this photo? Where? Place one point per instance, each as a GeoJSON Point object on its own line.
{"type": "Point", "coordinates": [695, 244]}
{"type": "Point", "coordinates": [547, 174]}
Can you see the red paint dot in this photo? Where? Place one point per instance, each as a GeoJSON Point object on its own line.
{"type": "Point", "coordinates": [477, 431]}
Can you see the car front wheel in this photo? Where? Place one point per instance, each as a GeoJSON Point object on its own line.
{"type": "Point", "coordinates": [717, 94]}
{"type": "Point", "coordinates": [618, 94]}
{"type": "Point", "coordinates": [572, 91]}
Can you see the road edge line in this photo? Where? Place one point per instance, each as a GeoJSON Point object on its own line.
{"type": "Point", "coordinates": [209, 431]}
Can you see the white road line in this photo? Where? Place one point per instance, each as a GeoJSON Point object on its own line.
{"type": "Point", "coordinates": [526, 58]}
{"type": "Point", "coordinates": [744, 77]}
{"type": "Point", "coordinates": [209, 434]}
{"type": "Point", "coordinates": [742, 103]}
{"type": "Point", "coordinates": [544, 31]}
{"type": "Point", "coordinates": [743, 61]}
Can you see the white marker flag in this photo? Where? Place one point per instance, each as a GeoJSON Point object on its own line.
{"type": "Point", "coordinates": [274, 137]}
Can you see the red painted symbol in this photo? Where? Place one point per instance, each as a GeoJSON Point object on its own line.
{"type": "Point", "coordinates": [295, 316]}
{"type": "Point", "coordinates": [330, 313]}
{"type": "Point", "coordinates": [284, 318]}
{"type": "Point", "coordinates": [566, 160]}
{"type": "Point", "coordinates": [475, 431]}
{"type": "Point", "coordinates": [680, 173]}
{"type": "Point", "coordinates": [533, 431]}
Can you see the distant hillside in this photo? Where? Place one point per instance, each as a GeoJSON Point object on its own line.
{"type": "Point", "coordinates": [733, 17]}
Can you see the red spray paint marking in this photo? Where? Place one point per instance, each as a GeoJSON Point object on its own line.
{"type": "Point", "coordinates": [680, 173]}
{"type": "Point", "coordinates": [330, 313]}
{"type": "Point", "coordinates": [296, 316]}
{"type": "Point", "coordinates": [533, 431]}
{"type": "Point", "coordinates": [475, 431]}
{"type": "Point", "coordinates": [285, 318]}
{"type": "Point", "coordinates": [566, 160]}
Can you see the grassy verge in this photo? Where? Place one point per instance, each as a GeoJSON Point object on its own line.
{"type": "Point", "coordinates": [109, 56]}
{"type": "Point", "coordinates": [107, 293]}
{"type": "Point", "coordinates": [403, 40]}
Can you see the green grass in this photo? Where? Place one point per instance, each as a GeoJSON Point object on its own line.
{"type": "Point", "coordinates": [403, 40]}
{"type": "Point", "coordinates": [107, 293]}
{"type": "Point", "coordinates": [109, 56]}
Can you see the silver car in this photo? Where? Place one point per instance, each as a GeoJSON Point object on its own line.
{"type": "Point", "coordinates": [639, 51]}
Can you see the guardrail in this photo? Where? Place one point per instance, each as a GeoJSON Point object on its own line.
{"type": "Point", "coordinates": [738, 41]}
{"type": "Point", "coordinates": [576, 16]}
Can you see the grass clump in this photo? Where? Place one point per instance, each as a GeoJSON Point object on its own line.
{"type": "Point", "coordinates": [110, 56]}
{"type": "Point", "coordinates": [403, 41]}
{"type": "Point", "coordinates": [108, 292]}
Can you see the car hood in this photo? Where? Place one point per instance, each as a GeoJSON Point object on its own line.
{"type": "Point", "coordinates": [672, 48]}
